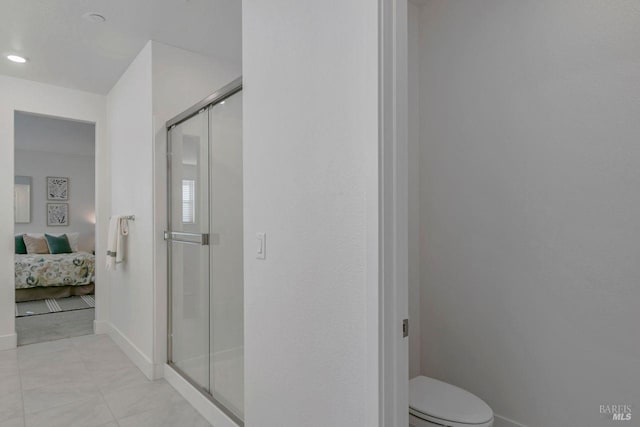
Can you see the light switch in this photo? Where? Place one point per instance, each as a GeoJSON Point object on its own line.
{"type": "Point", "coordinates": [261, 252]}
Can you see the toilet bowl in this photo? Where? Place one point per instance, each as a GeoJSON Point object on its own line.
{"type": "Point", "coordinates": [436, 403]}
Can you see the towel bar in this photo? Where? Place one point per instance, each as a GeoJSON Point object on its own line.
{"type": "Point", "coordinates": [128, 217]}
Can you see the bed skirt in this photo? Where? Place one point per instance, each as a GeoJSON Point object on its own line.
{"type": "Point", "coordinates": [42, 292]}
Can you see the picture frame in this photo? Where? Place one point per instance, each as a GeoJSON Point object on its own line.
{"type": "Point", "coordinates": [57, 188]}
{"type": "Point", "coordinates": [57, 214]}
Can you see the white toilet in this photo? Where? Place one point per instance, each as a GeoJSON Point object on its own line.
{"type": "Point", "coordinates": [435, 403]}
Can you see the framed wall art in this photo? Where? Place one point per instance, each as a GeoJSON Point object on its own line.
{"type": "Point", "coordinates": [57, 214]}
{"type": "Point", "coordinates": [57, 188]}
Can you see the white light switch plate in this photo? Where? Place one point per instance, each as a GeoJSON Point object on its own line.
{"type": "Point", "coordinates": [261, 247]}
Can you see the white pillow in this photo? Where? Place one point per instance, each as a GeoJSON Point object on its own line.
{"type": "Point", "coordinates": [73, 238]}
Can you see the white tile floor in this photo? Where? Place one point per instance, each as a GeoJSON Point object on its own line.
{"type": "Point", "coordinates": [85, 382]}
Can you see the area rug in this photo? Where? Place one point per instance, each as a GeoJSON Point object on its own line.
{"type": "Point", "coordinates": [51, 305]}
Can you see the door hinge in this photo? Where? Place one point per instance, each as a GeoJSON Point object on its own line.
{"type": "Point", "coordinates": [405, 328]}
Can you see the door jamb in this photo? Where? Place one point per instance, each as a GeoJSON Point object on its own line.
{"type": "Point", "coordinates": [393, 214]}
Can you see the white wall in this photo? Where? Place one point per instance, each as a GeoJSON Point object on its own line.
{"type": "Point", "coordinates": [81, 172]}
{"type": "Point", "coordinates": [23, 95]}
{"type": "Point", "coordinates": [529, 211]}
{"type": "Point", "coordinates": [35, 132]}
{"type": "Point", "coordinates": [182, 78]}
{"type": "Point", "coordinates": [48, 146]}
{"type": "Point", "coordinates": [130, 136]}
{"type": "Point", "coordinates": [310, 162]}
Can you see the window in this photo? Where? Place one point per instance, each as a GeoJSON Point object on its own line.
{"type": "Point", "coordinates": [188, 201]}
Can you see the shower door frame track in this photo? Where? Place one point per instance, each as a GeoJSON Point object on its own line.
{"type": "Point", "coordinates": [215, 98]}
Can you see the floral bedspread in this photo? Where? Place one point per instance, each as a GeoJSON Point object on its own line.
{"type": "Point", "coordinates": [73, 269]}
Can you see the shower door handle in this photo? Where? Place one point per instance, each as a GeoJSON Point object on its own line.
{"type": "Point", "coordinates": [188, 238]}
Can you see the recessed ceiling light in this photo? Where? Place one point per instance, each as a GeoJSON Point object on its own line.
{"type": "Point", "coordinates": [96, 18]}
{"type": "Point", "coordinates": [16, 58]}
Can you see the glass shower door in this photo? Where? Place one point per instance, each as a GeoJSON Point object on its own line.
{"type": "Point", "coordinates": [205, 248]}
{"type": "Point", "coordinates": [227, 272]}
{"type": "Point", "coordinates": [187, 239]}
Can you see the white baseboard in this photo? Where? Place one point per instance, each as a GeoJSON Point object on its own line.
{"type": "Point", "coordinates": [500, 421]}
{"type": "Point", "coordinates": [8, 342]}
{"type": "Point", "coordinates": [100, 327]}
{"type": "Point", "coordinates": [151, 371]}
{"type": "Point", "coordinates": [204, 406]}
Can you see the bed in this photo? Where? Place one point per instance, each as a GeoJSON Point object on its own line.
{"type": "Point", "coordinates": [40, 276]}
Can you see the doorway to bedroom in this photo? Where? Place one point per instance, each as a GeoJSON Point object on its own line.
{"type": "Point", "coordinates": [54, 227]}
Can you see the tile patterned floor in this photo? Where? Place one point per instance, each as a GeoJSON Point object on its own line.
{"type": "Point", "coordinates": [85, 382]}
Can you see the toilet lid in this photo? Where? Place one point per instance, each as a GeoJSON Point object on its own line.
{"type": "Point", "coordinates": [447, 402]}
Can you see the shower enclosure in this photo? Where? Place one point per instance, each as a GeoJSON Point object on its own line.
{"type": "Point", "coordinates": [205, 248]}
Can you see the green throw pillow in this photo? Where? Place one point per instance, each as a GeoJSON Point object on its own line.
{"type": "Point", "coordinates": [21, 248]}
{"type": "Point", "coordinates": [58, 244]}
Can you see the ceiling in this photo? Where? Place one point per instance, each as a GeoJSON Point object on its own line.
{"type": "Point", "coordinates": [66, 50]}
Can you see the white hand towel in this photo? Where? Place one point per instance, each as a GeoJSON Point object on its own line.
{"type": "Point", "coordinates": [118, 229]}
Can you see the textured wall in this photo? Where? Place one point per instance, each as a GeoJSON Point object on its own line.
{"type": "Point", "coordinates": [310, 161]}
{"type": "Point", "coordinates": [81, 172]}
{"type": "Point", "coordinates": [530, 206]}
{"type": "Point", "coordinates": [130, 133]}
